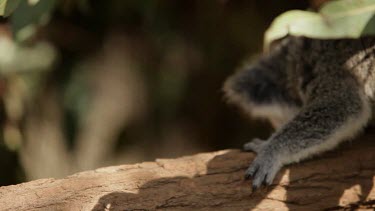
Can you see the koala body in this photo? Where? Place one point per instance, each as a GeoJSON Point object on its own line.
{"type": "Point", "coordinates": [316, 93]}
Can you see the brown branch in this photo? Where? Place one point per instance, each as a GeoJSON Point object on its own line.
{"type": "Point", "coordinates": [210, 181]}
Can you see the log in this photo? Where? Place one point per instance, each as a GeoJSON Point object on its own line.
{"type": "Point", "coordinates": [338, 180]}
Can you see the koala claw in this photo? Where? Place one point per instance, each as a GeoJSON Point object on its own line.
{"type": "Point", "coordinates": [262, 170]}
{"type": "Point", "coordinates": [254, 145]}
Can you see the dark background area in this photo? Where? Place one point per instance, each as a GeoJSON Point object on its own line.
{"type": "Point", "coordinates": [131, 81]}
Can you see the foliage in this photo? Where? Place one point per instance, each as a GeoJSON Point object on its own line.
{"type": "Point", "coordinates": [335, 19]}
{"type": "Point", "coordinates": [27, 15]}
{"type": "Point", "coordinates": [8, 6]}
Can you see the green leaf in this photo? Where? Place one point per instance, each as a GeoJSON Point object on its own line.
{"type": "Point", "coordinates": [336, 19]}
{"type": "Point", "coordinates": [8, 6]}
{"type": "Point", "coordinates": [29, 15]}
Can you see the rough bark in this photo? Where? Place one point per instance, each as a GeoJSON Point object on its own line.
{"type": "Point", "coordinates": [338, 180]}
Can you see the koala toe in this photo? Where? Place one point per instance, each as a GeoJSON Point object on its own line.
{"type": "Point", "coordinates": [262, 170]}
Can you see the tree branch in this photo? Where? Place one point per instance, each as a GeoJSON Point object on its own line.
{"type": "Point", "coordinates": [337, 180]}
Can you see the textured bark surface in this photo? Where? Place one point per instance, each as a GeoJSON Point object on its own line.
{"type": "Point", "coordinates": [343, 179]}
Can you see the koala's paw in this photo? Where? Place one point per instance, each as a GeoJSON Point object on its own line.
{"type": "Point", "coordinates": [255, 145]}
{"type": "Point", "coordinates": [263, 169]}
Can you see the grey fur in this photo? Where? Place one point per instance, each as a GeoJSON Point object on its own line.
{"type": "Point", "coordinates": [316, 92]}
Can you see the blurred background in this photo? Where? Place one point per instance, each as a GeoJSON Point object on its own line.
{"type": "Point", "coordinates": [85, 84]}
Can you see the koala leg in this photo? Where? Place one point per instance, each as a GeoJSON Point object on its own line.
{"type": "Point", "coordinates": [336, 110]}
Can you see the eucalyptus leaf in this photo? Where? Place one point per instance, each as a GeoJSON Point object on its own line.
{"type": "Point", "coordinates": [336, 19]}
{"type": "Point", "coordinates": [29, 15]}
{"type": "Point", "coordinates": [8, 6]}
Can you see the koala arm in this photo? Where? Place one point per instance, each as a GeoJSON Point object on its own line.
{"type": "Point", "coordinates": [335, 110]}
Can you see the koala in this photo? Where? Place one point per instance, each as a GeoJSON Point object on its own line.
{"type": "Point", "coordinates": [316, 93]}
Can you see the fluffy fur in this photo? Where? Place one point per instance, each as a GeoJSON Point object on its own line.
{"type": "Point", "coordinates": [317, 93]}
